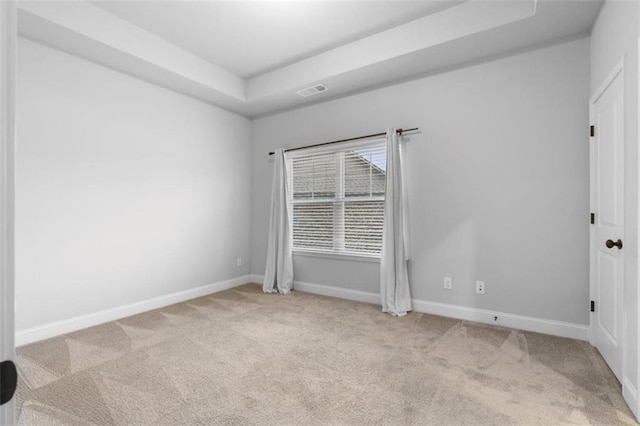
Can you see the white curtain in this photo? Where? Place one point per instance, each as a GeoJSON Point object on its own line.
{"type": "Point", "coordinates": [278, 275]}
{"type": "Point", "coordinates": [394, 280]}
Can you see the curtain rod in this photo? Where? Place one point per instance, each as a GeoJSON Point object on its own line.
{"type": "Point", "coordinates": [401, 131]}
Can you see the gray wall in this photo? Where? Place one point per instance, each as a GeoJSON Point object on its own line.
{"type": "Point", "coordinates": [125, 191]}
{"type": "Point", "coordinates": [614, 37]}
{"type": "Point", "coordinates": [498, 181]}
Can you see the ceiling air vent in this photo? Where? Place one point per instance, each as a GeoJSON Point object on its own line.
{"type": "Point", "coordinates": [313, 90]}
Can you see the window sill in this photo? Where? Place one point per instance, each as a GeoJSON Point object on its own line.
{"type": "Point", "coordinates": [338, 256]}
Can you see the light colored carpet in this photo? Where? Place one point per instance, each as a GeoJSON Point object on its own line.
{"type": "Point", "coordinates": [241, 357]}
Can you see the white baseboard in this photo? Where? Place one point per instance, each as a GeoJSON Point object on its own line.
{"type": "Point", "coordinates": [630, 395]}
{"type": "Point", "coordinates": [520, 322]}
{"type": "Point", "coordinates": [342, 293]}
{"type": "Point", "coordinates": [34, 334]}
{"type": "Point", "coordinates": [558, 328]}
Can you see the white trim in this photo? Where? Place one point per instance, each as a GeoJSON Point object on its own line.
{"type": "Point", "coordinates": [57, 328]}
{"type": "Point", "coordinates": [592, 290]}
{"type": "Point", "coordinates": [341, 293]}
{"type": "Point", "coordinates": [8, 32]}
{"type": "Point", "coordinates": [520, 322]}
{"type": "Point", "coordinates": [350, 257]}
{"type": "Point", "coordinates": [617, 69]}
{"type": "Point", "coordinates": [629, 391]}
{"type": "Point", "coordinates": [630, 395]}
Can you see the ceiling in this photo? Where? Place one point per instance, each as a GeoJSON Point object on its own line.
{"type": "Point", "coordinates": [251, 38]}
{"type": "Point", "coordinates": [251, 57]}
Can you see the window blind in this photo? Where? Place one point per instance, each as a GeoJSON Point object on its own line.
{"type": "Point", "coordinates": [337, 198]}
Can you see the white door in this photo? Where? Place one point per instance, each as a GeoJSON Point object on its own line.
{"type": "Point", "coordinates": [607, 236]}
{"type": "Point", "coordinates": [7, 138]}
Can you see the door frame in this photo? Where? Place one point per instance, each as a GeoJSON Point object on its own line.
{"type": "Point", "coordinates": [8, 39]}
{"type": "Point", "coordinates": [618, 70]}
{"type": "Point", "coordinates": [633, 400]}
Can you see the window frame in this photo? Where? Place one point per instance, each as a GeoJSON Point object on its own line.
{"type": "Point", "coordinates": [339, 200]}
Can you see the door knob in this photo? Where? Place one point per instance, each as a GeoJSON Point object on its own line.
{"type": "Point", "coordinates": [8, 381]}
{"type": "Point", "coordinates": [611, 244]}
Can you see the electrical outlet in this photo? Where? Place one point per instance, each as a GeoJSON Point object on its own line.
{"type": "Point", "coordinates": [239, 262]}
{"type": "Point", "coordinates": [480, 287]}
{"type": "Point", "coordinates": [448, 283]}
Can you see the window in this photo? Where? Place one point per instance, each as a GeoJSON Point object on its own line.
{"type": "Point", "coordinates": [337, 198]}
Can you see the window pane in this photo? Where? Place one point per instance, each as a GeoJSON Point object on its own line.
{"type": "Point", "coordinates": [313, 225]}
{"type": "Point", "coordinates": [302, 178]}
{"type": "Point", "coordinates": [314, 176]}
{"type": "Point", "coordinates": [364, 172]}
{"type": "Point", "coordinates": [338, 199]}
{"type": "Point", "coordinates": [357, 175]}
{"type": "Point", "coordinates": [363, 226]}
{"type": "Point", "coordinates": [378, 173]}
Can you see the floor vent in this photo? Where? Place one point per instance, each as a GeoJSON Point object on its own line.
{"type": "Point", "coordinates": [313, 90]}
